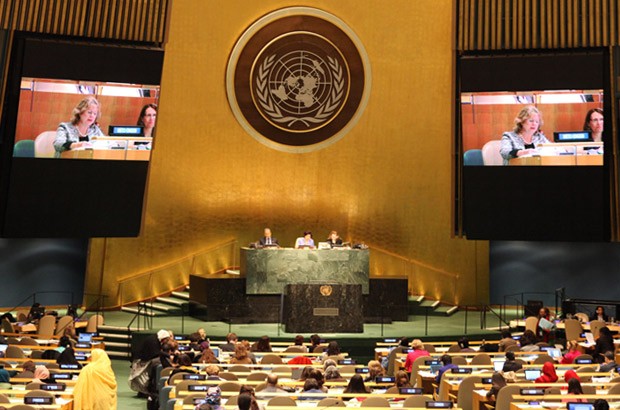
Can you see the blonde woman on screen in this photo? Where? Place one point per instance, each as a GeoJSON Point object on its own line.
{"type": "Point", "coordinates": [83, 126]}
{"type": "Point", "coordinates": [525, 136]}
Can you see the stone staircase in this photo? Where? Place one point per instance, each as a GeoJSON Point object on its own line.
{"type": "Point", "coordinates": [170, 305]}
{"type": "Point", "coordinates": [421, 305]}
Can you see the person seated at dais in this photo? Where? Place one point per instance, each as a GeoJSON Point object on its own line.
{"type": "Point", "coordinates": [305, 241]}
{"type": "Point", "coordinates": [333, 239]}
{"type": "Point", "coordinates": [267, 239]}
{"type": "Point", "coordinates": [79, 132]}
{"type": "Point", "coordinates": [525, 136]}
{"type": "Point", "coordinates": [147, 118]}
{"type": "Point", "coordinates": [599, 314]}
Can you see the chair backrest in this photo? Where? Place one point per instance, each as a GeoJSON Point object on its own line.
{"type": "Point", "coordinates": [164, 394]}
{"type": "Point", "coordinates": [230, 386]}
{"type": "Point", "coordinates": [585, 369]}
{"type": "Point", "coordinates": [230, 376]}
{"type": "Point", "coordinates": [4, 398]}
{"type": "Point", "coordinates": [34, 386]}
{"type": "Point", "coordinates": [62, 324]}
{"type": "Point", "coordinates": [183, 385]}
{"type": "Point", "coordinates": [513, 348]}
{"type": "Point", "coordinates": [459, 360]}
{"type": "Point", "coordinates": [595, 326]}
{"type": "Point", "coordinates": [44, 145]}
{"type": "Point", "coordinates": [239, 368]}
{"type": "Point", "coordinates": [455, 348]}
{"type": "Point", "coordinates": [173, 380]}
{"type": "Point", "coordinates": [473, 157]}
{"type": "Point", "coordinates": [257, 376]}
{"type": "Point", "coordinates": [295, 349]}
{"type": "Point", "coordinates": [582, 317]}
{"type": "Point", "coordinates": [166, 372]}
{"type": "Point", "coordinates": [232, 401]}
{"type": "Point", "coordinates": [393, 390]}
{"type": "Point", "coordinates": [319, 349]}
{"type": "Point", "coordinates": [573, 329]}
{"type": "Point", "coordinates": [14, 352]}
{"type": "Point", "coordinates": [347, 369]}
{"type": "Point", "coordinates": [444, 389]}
{"type": "Point", "coordinates": [7, 326]}
{"type": "Point", "coordinates": [614, 389]}
{"type": "Point", "coordinates": [481, 359]}
{"type": "Point", "coordinates": [391, 371]}
{"type": "Point", "coordinates": [93, 323]}
{"type": "Point", "coordinates": [466, 389]}
{"type": "Point", "coordinates": [27, 341]}
{"type": "Point", "coordinates": [504, 397]}
{"type": "Point", "coordinates": [189, 399]}
{"type": "Point", "coordinates": [584, 357]}
{"type": "Point", "coordinates": [417, 401]}
{"type": "Point", "coordinates": [24, 149]}
{"type": "Point", "coordinates": [530, 323]}
{"type": "Point", "coordinates": [284, 371]}
{"type": "Point", "coordinates": [375, 402]}
{"type": "Point", "coordinates": [415, 367]}
{"type": "Point", "coordinates": [282, 401]}
{"type": "Point", "coordinates": [329, 402]}
{"type": "Point", "coordinates": [543, 358]}
{"type": "Point", "coordinates": [23, 407]}
{"type": "Point", "coordinates": [490, 153]}
{"type": "Point", "coordinates": [271, 359]}
{"type": "Point", "coordinates": [429, 348]}
{"type": "Point", "coordinates": [40, 393]}
{"type": "Point", "coordinates": [588, 389]}
{"type": "Point", "coordinates": [47, 324]}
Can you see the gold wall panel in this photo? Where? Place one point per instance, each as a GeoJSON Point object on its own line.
{"type": "Point", "coordinates": [387, 183]}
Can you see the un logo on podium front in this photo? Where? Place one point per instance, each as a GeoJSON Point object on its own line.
{"type": "Point", "coordinates": [298, 79]}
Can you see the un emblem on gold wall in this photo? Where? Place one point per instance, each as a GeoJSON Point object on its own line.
{"type": "Point", "coordinates": [298, 79]}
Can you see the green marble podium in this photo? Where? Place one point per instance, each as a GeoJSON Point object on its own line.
{"type": "Point", "coordinates": [268, 271]}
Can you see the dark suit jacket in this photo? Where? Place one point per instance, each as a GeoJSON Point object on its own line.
{"type": "Point", "coordinates": [263, 241]}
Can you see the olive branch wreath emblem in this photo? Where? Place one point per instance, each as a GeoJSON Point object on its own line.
{"type": "Point", "coordinates": [324, 112]}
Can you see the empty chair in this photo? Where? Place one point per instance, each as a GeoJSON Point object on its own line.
{"type": "Point", "coordinates": [271, 359]}
{"type": "Point", "coordinates": [584, 357]}
{"type": "Point", "coordinates": [595, 326]}
{"type": "Point", "coordinates": [573, 329]}
{"type": "Point", "coordinates": [44, 145]}
{"type": "Point", "coordinates": [416, 401]}
{"type": "Point", "coordinates": [27, 341]}
{"type": "Point", "coordinates": [481, 359]}
{"type": "Point", "coordinates": [473, 157]}
{"type": "Point", "coordinates": [347, 369]}
{"type": "Point", "coordinates": [375, 402]}
{"type": "Point", "coordinates": [93, 323]}
{"type": "Point", "coordinates": [588, 389]}
{"type": "Point", "coordinates": [63, 323]}
{"type": "Point", "coordinates": [14, 352]}
{"type": "Point", "coordinates": [40, 393]}
{"type": "Point", "coordinates": [189, 399]}
{"type": "Point", "coordinates": [585, 369]}
{"type": "Point", "coordinates": [490, 153]}
{"type": "Point", "coordinates": [183, 385]}
{"type": "Point", "coordinates": [232, 401]}
{"type": "Point", "coordinates": [614, 389]}
{"type": "Point", "coordinates": [466, 389]}
{"type": "Point", "coordinates": [504, 396]}
{"type": "Point", "coordinates": [459, 360]}
{"type": "Point", "coordinates": [164, 394]}
{"type": "Point", "coordinates": [513, 348]}
{"type": "Point", "coordinates": [4, 398]}
{"type": "Point", "coordinates": [319, 349]}
{"type": "Point", "coordinates": [295, 349]}
{"type": "Point", "coordinates": [12, 340]}
{"type": "Point", "coordinates": [393, 390]}
{"type": "Point", "coordinates": [24, 149]}
{"type": "Point", "coordinates": [415, 368]}
{"type": "Point", "coordinates": [257, 376]}
{"type": "Point", "coordinates": [282, 371]}
{"type": "Point", "coordinates": [7, 326]}
{"type": "Point", "coordinates": [175, 378]}
{"type": "Point", "coordinates": [239, 368]}
{"type": "Point", "coordinates": [47, 325]}
{"type": "Point", "coordinates": [230, 376]}
{"type": "Point", "coordinates": [531, 322]}
{"type": "Point", "coordinates": [429, 348]}
{"type": "Point", "coordinates": [455, 348]}
{"type": "Point", "coordinates": [166, 372]}
{"type": "Point", "coordinates": [582, 317]}
{"type": "Point", "coordinates": [543, 358]}
{"type": "Point", "coordinates": [34, 386]}
{"type": "Point", "coordinates": [282, 401]}
{"type": "Point", "coordinates": [329, 402]}
{"type": "Point", "coordinates": [230, 387]}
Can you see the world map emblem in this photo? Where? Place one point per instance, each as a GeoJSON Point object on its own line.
{"type": "Point", "coordinates": [297, 81]}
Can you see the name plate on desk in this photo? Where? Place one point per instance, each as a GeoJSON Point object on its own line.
{"type": "Point", "coordinates": [325, 312]}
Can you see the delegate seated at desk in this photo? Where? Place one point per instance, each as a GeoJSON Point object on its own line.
{"type": "Point", "coordinates": [305, 241]}
{"type": "Point", "coordinates": [267, 239]}
{"type": "Point", "coordinates": [594, 124]}
{"type": "Point", "coordinates": [333, 239]}
{"type": "Point", "coordinates": [81, 129]}
{"type": "Point", "coordinates": [525, 136]}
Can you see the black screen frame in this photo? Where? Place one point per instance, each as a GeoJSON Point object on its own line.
{"type": "Point", "coordinates": [534, 203]}
{"type": "Point", "coordinates": [48, 198]}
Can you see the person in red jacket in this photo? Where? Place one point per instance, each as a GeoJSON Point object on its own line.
{"type": "Point", "coordinates": [548, 374]}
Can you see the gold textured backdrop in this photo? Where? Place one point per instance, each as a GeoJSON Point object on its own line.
{"type": "Point", "coordinates": [387, 183]}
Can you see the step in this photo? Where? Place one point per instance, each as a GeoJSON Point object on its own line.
{"type": "Point", "coordinates": [427, 303]}
{"type": "Point", "coordinates": [118, 345]}
{"type": "Point", "coordinates": [181, 295]}
{"type": "Point", "coordinates": [447, 309]}
{"type": "Point", "coordinates": [171, 301]}
{"type": "Point", "coordinates": [123, 336]}
{"type": "Point", "coordinates": [233, 271]}
{"type": "Point", "coordinates": [116, 354]}
{"type": "Point", "coordinates": [162, 307]}
{"type": "Point", "coordinates": [135, 311]}
{"type": "Point", "coordinates": [119, 329]}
